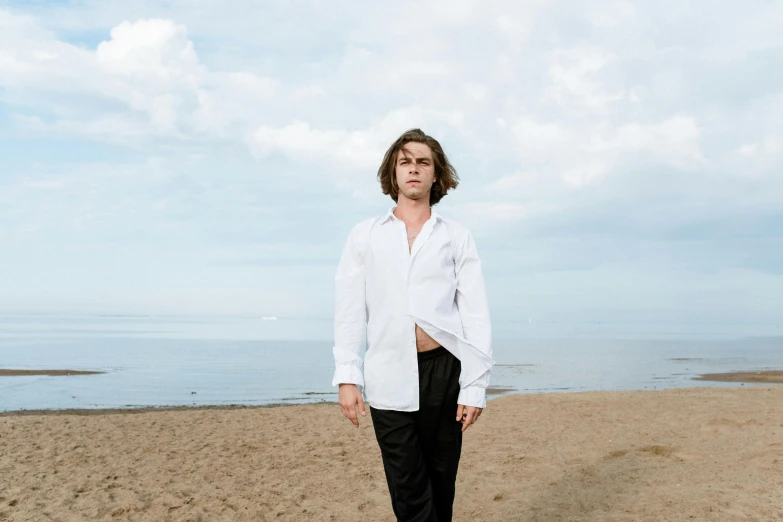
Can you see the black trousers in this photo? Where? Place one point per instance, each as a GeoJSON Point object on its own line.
{"type": "Point", "coordinates": [421, 449]}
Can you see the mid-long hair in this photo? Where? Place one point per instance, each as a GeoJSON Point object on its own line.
{"type": "Point", "coordinates": [445, 174]}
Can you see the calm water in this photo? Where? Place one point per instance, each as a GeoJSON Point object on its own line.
{"type": "Point", "coordinates": [199, 361]}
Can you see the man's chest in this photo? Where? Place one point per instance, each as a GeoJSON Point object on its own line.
{"type": "Point", "coordinates": [412, 233]}
{"type": "Point", "coordinates": [397, 257]}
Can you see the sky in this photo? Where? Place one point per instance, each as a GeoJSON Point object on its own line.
{"type": "Point", "coordinates": [618, 161]}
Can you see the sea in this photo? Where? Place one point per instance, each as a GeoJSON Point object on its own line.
{"type": "Point", "coordinates": [199, 361]}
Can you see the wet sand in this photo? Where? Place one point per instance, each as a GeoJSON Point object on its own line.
{"type": "Point", "coordinates": [767, 376]}
{"type": "Point", "coordinates": [711, 454]}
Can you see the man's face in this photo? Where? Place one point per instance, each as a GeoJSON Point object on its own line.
{"type": "Point", "coordinates": [415, 171]}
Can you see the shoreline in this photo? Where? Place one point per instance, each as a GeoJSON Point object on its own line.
{"type": "Point", "coordinates": [88, 412]}
{"type": "Point", "coordinates": [740, 377]}
{"type": "Point", "coordinates": [492, 394]}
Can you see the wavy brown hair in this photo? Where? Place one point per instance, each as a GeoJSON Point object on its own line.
{"type": "Point", "coordinates": [445, 173]}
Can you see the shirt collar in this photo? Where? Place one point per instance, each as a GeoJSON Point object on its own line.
{"type": "Point", "coordinates": [390, 215]}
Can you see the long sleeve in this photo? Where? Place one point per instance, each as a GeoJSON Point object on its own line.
{"type": "Point", "coordinates": [350, 313]}
{"type": "Point", "coordinates": [473, 309]}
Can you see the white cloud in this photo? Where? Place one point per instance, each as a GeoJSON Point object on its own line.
{"type": "Point", "coordinates": [476, 91]}
{"type": "Point", "coordinates": [485, 216]}
{"type": "Point", "coordinates": [358, 148]}
{"type": "Point", "coordinates": [675, 140]}
{"type": "Point", "coordinates": [361, 149]}
{"type": "Point", "coordinates": [770, 146]}
{"type": "Point", "coordinates": [611, 13]}
{"type": "Point", "coordinates": [310, 92]}
{"type": "Point", "coordinates": [513, 30]}
{"type": "Point", "coordinates": [350, 115]}
{"type": "Point", "coordinates": [574, 75]}
{"type": "Point", "coordinates": [117, 129]}
{"type": "Point", "coordinates": [149, 67]}
{"type": "Point", "coordinates": [580, 156]}
{"type": "Point", "coordinates": [515, 181]}
{"type": "Point", "coordinates": [153, 50]}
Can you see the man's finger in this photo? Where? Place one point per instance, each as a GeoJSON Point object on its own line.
{"type": "Point", "coordinates": [467, 420]}
{"type": "Point", "coordinates": [361, 407]}
{"type": "Point", "coordinates": [350, 413]}
{"type": "Point", "coordinates": [352, 416]}
{"type": "Point", "coordinates": [470, 418]}
{"type": "Point", "coordinates": [460, 411]}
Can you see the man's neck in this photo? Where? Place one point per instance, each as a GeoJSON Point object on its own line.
{"type": "Point", "coordinates": [413, 211]}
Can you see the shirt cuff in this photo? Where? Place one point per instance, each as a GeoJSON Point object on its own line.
{"type": "Point", "coordinates": [348, 374]}
{"type": "Point", "coordinates": [475, 396]}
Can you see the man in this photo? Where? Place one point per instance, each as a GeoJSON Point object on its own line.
{"type": "Point", "coordinates": [413, 279]}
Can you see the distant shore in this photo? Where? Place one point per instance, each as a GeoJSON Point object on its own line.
{"type": "Point", "coordinates": [20, 373]}
{"type": "Point", "coordinates": [766, 377]}
{"type": "Point", "coordinates": [712, 453]}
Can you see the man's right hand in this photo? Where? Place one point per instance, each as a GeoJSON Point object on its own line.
{"type": "Point", "coordinates": [350, 397]}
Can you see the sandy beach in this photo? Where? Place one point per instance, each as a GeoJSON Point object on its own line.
{"type": "Point", "coordinates": [680, 454]}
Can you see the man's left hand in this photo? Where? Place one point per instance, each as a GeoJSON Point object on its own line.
{"type": "Point", "coordinates": [467, 415]}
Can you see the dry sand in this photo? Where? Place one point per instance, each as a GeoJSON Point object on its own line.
{"type": "Point", "coordinates": [687, 454]}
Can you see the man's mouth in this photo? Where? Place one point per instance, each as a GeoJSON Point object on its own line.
{"type": "Point", "coordinates": [414, 181]}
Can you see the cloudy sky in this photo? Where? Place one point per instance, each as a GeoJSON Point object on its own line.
{"type": "Point", "coordinates": [618, 160]}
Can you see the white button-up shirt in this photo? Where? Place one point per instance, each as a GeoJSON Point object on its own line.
{"type": "Point", "coordinates": [383, 290]}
